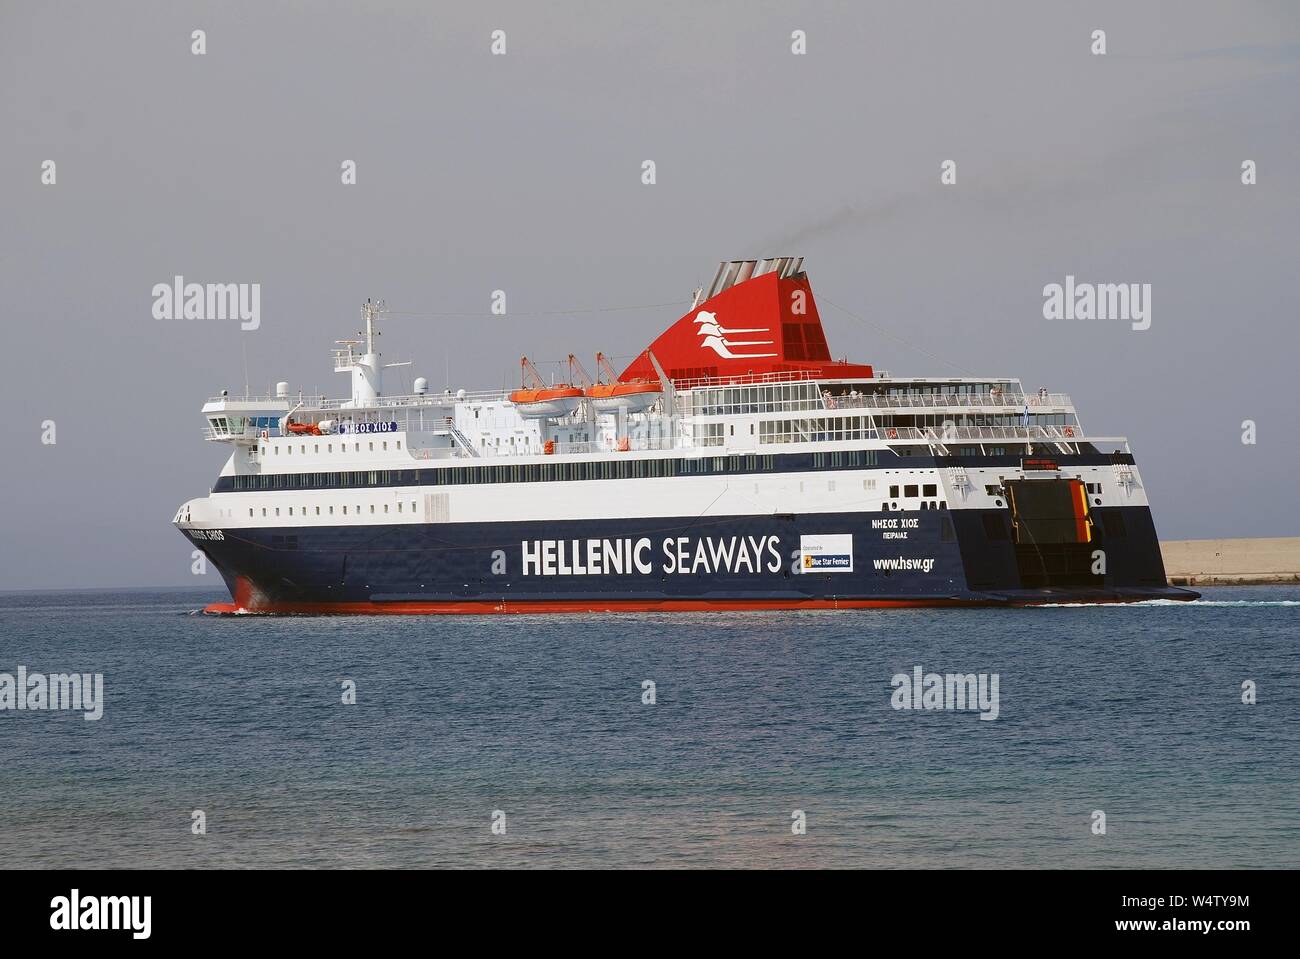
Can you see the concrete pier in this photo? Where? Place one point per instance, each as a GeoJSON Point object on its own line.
{"type": "Point", "coordinates": [1238, 562]}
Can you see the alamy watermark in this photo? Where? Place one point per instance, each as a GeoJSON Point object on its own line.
{"type": "Point", "coordinates": [179, 300]}
{"type": "Point", "coordinates": [950, 691]}
{"type": "Point", "coordinates": [1098, 301]}
{"type": "Point", "coordinates": [81, 692]}
{"type": "Point", "coordinates": [128, 913]}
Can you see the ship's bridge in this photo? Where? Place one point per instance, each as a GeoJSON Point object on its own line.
{"type": "Point", "coordinates": [233, 419]}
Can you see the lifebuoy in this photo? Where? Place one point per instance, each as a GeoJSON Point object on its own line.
{"type": "Point", "coordinates": [891, 433]}
{"type": "Point", "coordinates": [1069, 431]}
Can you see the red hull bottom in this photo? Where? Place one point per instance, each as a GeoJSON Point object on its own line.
{"type": "Point", "coordinates": [497, 607]}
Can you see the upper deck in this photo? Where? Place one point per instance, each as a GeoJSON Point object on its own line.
{"type": "Point", "coordinates": [742, 372]}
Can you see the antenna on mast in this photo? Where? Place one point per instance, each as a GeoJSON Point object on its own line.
{"type": "Point", "coordinates": [370, 310]}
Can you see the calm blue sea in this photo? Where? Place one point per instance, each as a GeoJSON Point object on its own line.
{"type": "Point", "coordinates": [1135, 711]}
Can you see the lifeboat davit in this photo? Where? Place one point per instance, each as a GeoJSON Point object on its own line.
{"type": "Point", "coordinates": [536, 400]}
{"type": "Point", "coordinates": [634, 396]}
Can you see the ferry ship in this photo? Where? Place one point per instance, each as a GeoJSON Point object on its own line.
{"type": "Point", "coordinates": [732, 465]}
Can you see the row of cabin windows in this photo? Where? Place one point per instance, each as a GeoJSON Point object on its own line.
{"type": "Point", "coordinates": [912, 490]}
{"type": "Point", "coordinates": [816, 430]}
{"type": "Point", "coordinates": [541, 472]}
{"type": "Point", "coordinates": [329, 510]}
{"type": "Point", "coordinates": [329, 447]}
{"type": "Point", "coordinates": [769, 398]}
{"type": "Point", "coordinates": [986, 451]}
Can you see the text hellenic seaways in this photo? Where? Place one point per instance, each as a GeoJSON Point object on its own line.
{"type": "Point", "coordinates": [677, 554]}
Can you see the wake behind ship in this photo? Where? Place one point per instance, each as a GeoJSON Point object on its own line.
{"type": "Point", "coordinates": [732, 465]}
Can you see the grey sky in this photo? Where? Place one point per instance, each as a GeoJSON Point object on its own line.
{"type": "Point", "coordinates": [522, 173]}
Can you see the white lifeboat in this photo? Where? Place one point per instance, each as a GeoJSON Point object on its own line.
{"type": "Point", "coordinates": [634, 396]}
{"type": "Point", "coordinates": [536, 400]}
{"type": "Point", "coordinates": [547, 403]}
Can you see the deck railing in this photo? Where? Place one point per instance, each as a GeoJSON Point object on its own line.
{"type": "Point", "coordinates": [1013, 401]}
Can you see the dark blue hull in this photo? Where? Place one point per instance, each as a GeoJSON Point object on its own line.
{"type": "Point", "coordinates": [928, 557]}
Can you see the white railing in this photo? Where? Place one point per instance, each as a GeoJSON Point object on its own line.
{"type": "Point", "coordinates": [269, 399]}
{"type": "Point", "coordinates": [1014, 401]}
{"type": "Point", "coordinates": [561, 449]}
{"type": "Point", "coordinates": [436, 453]}
{"type": "Point", "coordinates": [1051, 434]}
{"type": "Point", "coordinates": [415, 400]}
{"type": "Point", "coordinates": [249, 435]}
{"type": "Point", "coordinates": [321, 402]}
{"type": "Point", "coordinates": [747, 379]}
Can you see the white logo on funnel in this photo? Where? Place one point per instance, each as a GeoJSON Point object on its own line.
{"type": "Point", "coordinates": [715, 338]}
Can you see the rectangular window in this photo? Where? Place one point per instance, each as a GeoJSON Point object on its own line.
{"type": "Point", "coordinates": [893, 492]}
{"type": "Point", "coordinates": [931, 489]}
{"type": "Point", "coordinates": [910, 490]}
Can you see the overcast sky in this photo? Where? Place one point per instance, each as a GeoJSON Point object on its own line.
{"type": "Point", "coordinates": [522, 173]}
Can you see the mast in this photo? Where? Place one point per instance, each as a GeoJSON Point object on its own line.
{"type": "Point", "coordinates": [367, 373]}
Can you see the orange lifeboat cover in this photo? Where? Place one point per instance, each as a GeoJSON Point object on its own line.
{"type": "Point", "coordinates": [561, 392]}
{"type": "Point", "coordinates": [636, 388]}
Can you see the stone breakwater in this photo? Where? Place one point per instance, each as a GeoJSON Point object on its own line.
{"type": "Point", "coordinates": [1222, 562]}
